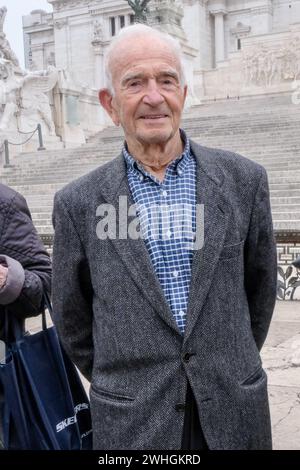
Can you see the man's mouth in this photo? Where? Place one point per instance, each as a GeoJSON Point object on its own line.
{"type": "Point", "coordinates": [154, 116]}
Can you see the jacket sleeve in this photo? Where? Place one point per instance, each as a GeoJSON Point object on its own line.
{"type": "Point", "coordinates": [72, 293]}
{"type": "Point", "coordinates": [261, 263]}
{"type": "Point", "coordinates": [29, 265]}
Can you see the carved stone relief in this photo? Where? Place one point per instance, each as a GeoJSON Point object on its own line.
{"type": "Point", "coordinates": [266, 66]}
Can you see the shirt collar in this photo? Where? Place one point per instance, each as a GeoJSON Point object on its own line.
{"type": "Point", "coordinates": [178, 165]}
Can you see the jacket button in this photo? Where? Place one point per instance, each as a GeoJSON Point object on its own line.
{"type": "Point", "coordinates": [180, 407]}
{"type": "Point", "coordinates": [187, 356]}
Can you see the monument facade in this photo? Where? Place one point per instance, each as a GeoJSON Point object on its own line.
{"type": "Point", "coordinates": [220, 38]}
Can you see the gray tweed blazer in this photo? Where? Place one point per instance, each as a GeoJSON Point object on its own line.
{"type": "Point", "coordinates": [117, 326]}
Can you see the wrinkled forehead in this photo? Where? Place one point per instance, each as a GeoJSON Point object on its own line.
{"type": "Point", "coordinates": [135, 51]}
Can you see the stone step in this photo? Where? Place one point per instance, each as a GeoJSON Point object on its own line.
{"type": "Point", "coordinates": [282, 169]}
{"type": "Point", "coordinates": [259, 141]}
{"type": "Point", "coordinates": [280, 200]}
{"type": "Point", "coordinates": [243, 119]}
{"type": "Point", "coordinates": [283, 193]}
{"type": "Point", "coordinates": [267, 155]}
{"type": "Point", "coordinates": [41, 222]}
{"type": "Point", "coordinates": [276, 208]}
{"type": "Point", "coordinates": [87, 157]}
{"type": "Point", "coordinates": [275, 183]}
{"type": "Point", "coordinates": [37, 188]}
{"type": "Point", "coordinates": [42, 217]}
{"type": "Point", "coordinates": [47, 179]}
{"type": "Point", "coordinates": [69, 176]}
{"type": "Point", "coordinates": [271, 167]}
{"type": "Point", "coordinates": [285, 179]}
{"type": "Point", "coordinates": [48, 171]}
{"type": "Point", "coordinates": [59, 182]}
{"type": "Point", "coordinates": [43, 209]}
{"type": "Point", "coordinates": [268, 158]}
{"type": "Point", "coordinates": [284, 186]}
{"type": "Point", "coordinates": [286, 215]}
{"type": "Point", "coordinates": [199, 130]}
{"type": "Point", "coordinates": [287, 225]}
{"type": "Point", "coordinates": [261, 133]}
{"type": "Point", "coordinates": [45, 230]}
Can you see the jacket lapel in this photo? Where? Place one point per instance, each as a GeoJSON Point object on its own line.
{"type": "Point", "coordinates": [134, 253]}
{"type": "Point", "coordinates": [216, 215]}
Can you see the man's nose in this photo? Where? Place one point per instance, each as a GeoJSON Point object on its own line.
{"type": "Point", "coordinates": [153, 96]}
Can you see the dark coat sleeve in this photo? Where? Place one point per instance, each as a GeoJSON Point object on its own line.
{"type": "Point", "coordinates": [261, 263]}
{"type": "Point", "coordinates": [72, 292]}
{"type": "Point", "coordinates": [21, 249]}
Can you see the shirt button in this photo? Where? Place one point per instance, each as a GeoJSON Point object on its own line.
{"type": "Point", "coordinates": [181, 313]}
{"type": "Point", "coordinates": [168, 234]}
{"type": "Point", "coordinates": [179, 172]}
{"type": "Point", "coordinates": [175, 273]}
{"type": "Point", "coordinates": [164, 193]}
{"type": "Point", "coordinates": [141, 178]}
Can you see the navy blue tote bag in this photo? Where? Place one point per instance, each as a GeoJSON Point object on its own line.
{"type": "Point", "coordinates": [44, 403]}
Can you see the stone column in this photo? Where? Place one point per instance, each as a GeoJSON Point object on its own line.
{"type": "Point", "coordinates": [219, 36]}
{"type": "Point", "coordinates": [217, 8]}
{"type": "Point", "coordinates": [99, 68]}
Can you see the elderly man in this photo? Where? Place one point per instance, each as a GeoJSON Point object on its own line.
{"type": "Point", "coordinates": [167, 330]}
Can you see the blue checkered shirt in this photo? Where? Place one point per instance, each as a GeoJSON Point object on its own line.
{"type": "Point", "coordinates": [168, 234]}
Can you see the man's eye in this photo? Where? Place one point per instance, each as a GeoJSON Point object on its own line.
{"type": "Point", "coordinates": [134, 84]}
{"type": "Point", "coordinates": [168, 81]}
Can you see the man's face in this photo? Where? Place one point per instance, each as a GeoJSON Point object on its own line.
{"type": "Point", "coordinates": [148, 99]}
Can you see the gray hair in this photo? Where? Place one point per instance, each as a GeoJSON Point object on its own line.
{"type": "Point", "coordinates": [140, 30]}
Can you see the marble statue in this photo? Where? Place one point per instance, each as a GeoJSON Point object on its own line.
{"type": "Point", "coordinates": [6, 51]}
{"type": "Point", "coordinates": [3, 12]}
{"type": "Point", "coordinates": [34, 95]}
{"type": "Point", "coordinates": [9, 94]}
{"type": "Point", "coordinates": [25, 95]}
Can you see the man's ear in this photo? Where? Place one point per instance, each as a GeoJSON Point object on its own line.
{"type": "Point", "coordinates": [106, 101]}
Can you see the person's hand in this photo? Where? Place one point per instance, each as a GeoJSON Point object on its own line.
{"type": "Point", "coordinates": [3, 275]}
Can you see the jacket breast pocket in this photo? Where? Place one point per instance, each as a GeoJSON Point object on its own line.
{"type": "Point", "coordinates": [232, 251]}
